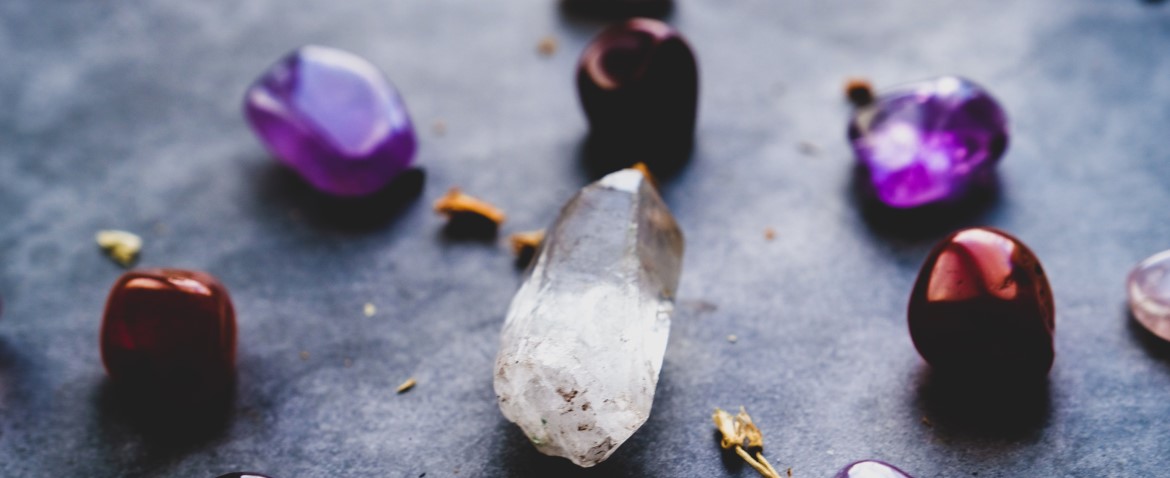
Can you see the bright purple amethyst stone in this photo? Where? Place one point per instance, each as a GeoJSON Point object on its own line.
{"type": "Point", "coordinates": [333, 118]}
{"type": "Point", "coordinates": [872, 469]}
{"type": "Point", "coordinates": [929, 142]}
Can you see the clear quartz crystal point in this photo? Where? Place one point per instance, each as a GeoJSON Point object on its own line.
{"type": "Point", "coordinates": [585, 335]}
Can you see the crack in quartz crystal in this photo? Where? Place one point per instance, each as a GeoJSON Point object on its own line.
{"type": "Point", "coordinates": [585, 335]}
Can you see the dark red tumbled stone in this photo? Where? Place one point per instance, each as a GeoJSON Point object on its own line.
{"type": "Point", "coordinates": [982, 308]}
{"type": "Point", "coordinates": [621, 8]}
{"type": "Point", "coordinates": [170, 333]}
{"type": "Point", "coordinates": [639, 84]}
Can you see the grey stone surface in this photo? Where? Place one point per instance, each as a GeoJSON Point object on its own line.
{"type": "Point", "coordinates": [127, 115]}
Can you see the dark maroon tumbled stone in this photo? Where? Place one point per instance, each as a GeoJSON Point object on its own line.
{"type": "Point", "coordinates": [639, 85]}
{"type": "Point", "coordinates": [982, 308]}
{"type": "Point", "coordinates": [621, 8]}
{"type": "Point", "coordinates": [871, 469]}
{"type": "Point", "coordinates": [170, 334]}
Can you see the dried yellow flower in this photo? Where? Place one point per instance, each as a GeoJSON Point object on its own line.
{"type": "Point", "coordinates": [741, 434]}
{"type": "Point", "coordinates": [456, 201]}
{"type": "Point", "coordinates": [738, 430]}
{"type": "Point", "coordinates": [121, 246]}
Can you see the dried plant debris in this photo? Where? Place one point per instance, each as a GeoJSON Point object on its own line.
{"type": "Point", "coordinates": [121, 246]}
{"type": "Point", "coordinates": [859, 92]}
{"type": "Point", "coordinates": [467, 216]}
{"type": "Point", "coordinates": [646, 170]}
{"type": "Point", "coordinates": [808, 148]}
{"type": "Point", "coordinates": [525, 244]}
{"type": "Point", "coordinates": [547, 45]}
{"type": "Point", "coordinates": [407, 385]}
{"type": "Point", "coordinates": [742, 435]}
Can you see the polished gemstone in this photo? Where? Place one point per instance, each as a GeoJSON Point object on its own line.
{"type": "Point", "coordinates": [170, 333]}
{"type": "Point", "coordinates": [871, 469]}
{"type": "Point", "coordinates": [585, 335]}
{"type": "Point", "coordinates": [982, 308]}
{"type": "Point", "coordinates": [621, 8]}
{"type": "Point", "coordinates": [639, 86]}
{"type": "Point", "coordinates": [1149, 294]}
{"type": "Point", "coordinates": [333, 118]}
{"type": "Point", "coordinates": [929, 142]}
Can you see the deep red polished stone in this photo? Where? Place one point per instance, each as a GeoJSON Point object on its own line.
{"type": "Point", "coordinates": [621, 8]}
{"type": "Point", "coordinates": [639, 84]}
{"type": "Point", "coordinates": [982, 308]}
{"type": "Point", "coordinates": [170, 333]}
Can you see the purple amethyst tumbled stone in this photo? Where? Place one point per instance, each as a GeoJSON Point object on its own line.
{"type": "Point", "coordinates": [334, 118]}
{"type": "Point", "coordinates": [871, 469]}
{"type": "Point", "coordinates": [929, 142]}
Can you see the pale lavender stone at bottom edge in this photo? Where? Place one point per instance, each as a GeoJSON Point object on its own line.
{"type": "Point", "coordinates": [1148, 291]}
{"type": "Point", "coordinates": [929, 142]}
{"type": "Point", "coordinates": [871, 469]}
{"type": "Point", "coordinates": [334, 118]}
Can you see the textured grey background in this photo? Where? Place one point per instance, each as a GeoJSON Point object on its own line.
{"type": "Point", "coordinates": [127, 115]}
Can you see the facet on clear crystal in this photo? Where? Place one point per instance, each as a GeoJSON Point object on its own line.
{"type": "Point", "coordinates": [1148, 289]}
{"type": "Point", "coordinates": [929, 142]}
{"type": "Point", "coordinates": [585, 335]}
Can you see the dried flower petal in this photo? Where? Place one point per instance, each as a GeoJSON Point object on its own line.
{"type": "Point", "coordinates": [526, 242]}
{"type": "Point", "coordinates": [456, 202]}
{"type": "Point", "coordinates": [741, 434]}
{"type": "Point", "coordinates": [468, 216]}
{"type": "Point", "coordinates": [121, 246]}
{"type": "Point", "coordinates": [725, 422]}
